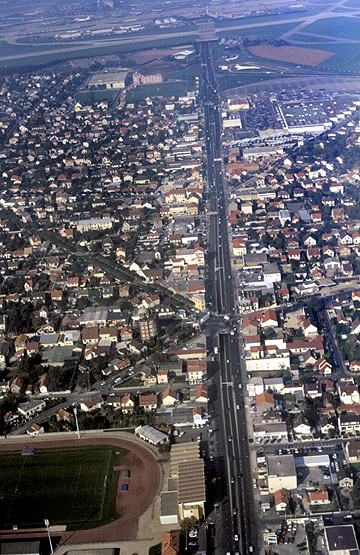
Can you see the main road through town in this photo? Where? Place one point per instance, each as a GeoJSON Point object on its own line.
{"type": "Point", "coordinates": [236, 529]}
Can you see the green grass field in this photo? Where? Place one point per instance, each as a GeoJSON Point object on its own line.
{"type": "Point", "coordinates": [308, 39]}
{"type": "Point", "coordinates": [90, 97]}
{"type": "Point", "coordinates": [266, 32]}
{"type": "Point", "coordinates": [342, 27]}
{"type": "Point", "coordinates": [265, 18]}
{"type": "Point", "coordinates": [86, 52]}
{"type": "Point", "coordinates": [76, 487]}
{"type": "Point", "coordinates": [232, 81]}
{"type": "Point", "coordinates": [168, 88]}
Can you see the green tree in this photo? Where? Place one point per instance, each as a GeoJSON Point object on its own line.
{"type": "Point", "coordinates": [187, 524]}
{"type": "Point", "coordinates": [356, 494]}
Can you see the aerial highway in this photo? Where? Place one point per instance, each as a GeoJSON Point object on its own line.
{"type": "Point", "coordinates": [238, 530]}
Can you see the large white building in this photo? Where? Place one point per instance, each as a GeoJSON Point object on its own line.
{"type": "Point", "coordinates": [109, 80]}
{"type": "Point", "coordinates": [94, 224]}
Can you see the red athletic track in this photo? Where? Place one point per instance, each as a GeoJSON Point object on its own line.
{"type": "Point", "coordinates": [144, 484]}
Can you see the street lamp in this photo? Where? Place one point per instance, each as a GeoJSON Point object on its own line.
{"type": "Point", "coordinates": [76, 422]}
{"type": "Point", "coordinates": [46, 522]}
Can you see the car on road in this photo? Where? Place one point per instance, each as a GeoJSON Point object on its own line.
{"type": "Point", "coordinates": [230, 438]}
{"type": "Point", "coordinates": [232, 480]}
{"type": "Point", "coordinates": [181, 434]}
{"type": "Point", "coordinates": [193, 533]}
{"type": "Point", "coordinates": [236, 537]}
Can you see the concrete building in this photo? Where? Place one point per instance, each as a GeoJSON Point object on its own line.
{"type": "Point", "coordinates": [191, 489]}
{"type": "Point", "coordinates": [148, 329]}
{"type": "Point", "coordinates": [181, 452]}
{"type": "Point", "coordinates": [109, 80]}
{"type": "Point", "coordinates": [281, 472]}
{"type": "Point", "coordinates": [341, 540]}
{"type": "Point", "coordinates": [353, 451]}
{"type": "Point", "coordinates": [151, 435]}
{"type": "Point", "coordinates": [99, 224]}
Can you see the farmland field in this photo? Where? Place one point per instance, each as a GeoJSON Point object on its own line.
{"type": "Point", "coordinates": [346, 59]}
{"type": "Point", "coordinates": [76, 487]}
{"type": "Point", "coordinates": [291, 54]}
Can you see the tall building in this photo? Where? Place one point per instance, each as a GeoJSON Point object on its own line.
{"type": "Point", "coordinates": [148, 329]}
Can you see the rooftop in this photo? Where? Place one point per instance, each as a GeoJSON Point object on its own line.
{"type": "Point", "coordinates": [281, 465]}
{"type": "Point", "coordinates": [191, 481]}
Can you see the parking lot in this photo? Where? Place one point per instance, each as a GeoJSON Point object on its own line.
{"type": "Point", "coordinates": [290, 538]}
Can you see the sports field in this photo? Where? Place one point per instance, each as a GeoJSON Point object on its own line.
{"type": "Point", "coordinates": [76, 487]}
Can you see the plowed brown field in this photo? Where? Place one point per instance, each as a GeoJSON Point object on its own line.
{"type": "Point", "coordinates": [292, 54]}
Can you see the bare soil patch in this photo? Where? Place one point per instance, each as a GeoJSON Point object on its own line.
{"type": "Point", "coordinates": [292, 54]}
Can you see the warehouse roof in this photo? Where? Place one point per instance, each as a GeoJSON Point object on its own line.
{"type": "Point", "coordinates": [111, 77]}
{"type": "Point", "coordinates": [191, 481]}
{"type": "Point", "coordinates": [181, 452]}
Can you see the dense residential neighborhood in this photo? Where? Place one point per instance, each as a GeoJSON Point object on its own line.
{"type": "Point", "coordinates": [176, 271]}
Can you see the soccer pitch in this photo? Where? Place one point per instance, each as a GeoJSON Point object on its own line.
{"type": "Point", "coordinates": [76, 487]}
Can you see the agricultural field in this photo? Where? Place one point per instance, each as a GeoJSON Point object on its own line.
{"type": "Point", "coordinates": [346, 59]}
{"type": "Point", "coordinates": [291, 54]}
{"type": "Point", "coordinates": [76, 487]}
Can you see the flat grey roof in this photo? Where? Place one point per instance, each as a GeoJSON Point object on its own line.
{"type": "Point", "coordinates": [168, 503]}
{"type": "Point", "coordinates": [20, 548]}
{"type": "Point", "coordinates": [111, 77]}
{"type": "Point", "coordinates": [281, 465]}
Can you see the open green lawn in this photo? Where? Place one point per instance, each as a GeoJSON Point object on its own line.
{"type": "Point", "coordinates": [168, 88]}
{"type": "Point", "coordinates": [308, 39]}
{"type": "Point", "coordinates": [76, 487]}
{"type": "Point", "coordinates": [265, 18]}
{"type": "Point", "coordinates": [87, 52]}
{"type": "Point", "coordinates": [347, 59]}
{"type": "Point", "coordinates": [266, 31]}
{"type": "Point", "coordinates": [344, 27]}
{"type": "Point", "coordinates": [231, 81]}
{"type": "Point", "coordinates": [90, 97]}
{"type": "Point", "coordinates": [352, 4]}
